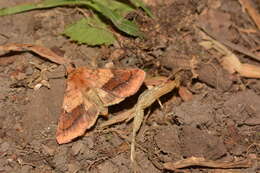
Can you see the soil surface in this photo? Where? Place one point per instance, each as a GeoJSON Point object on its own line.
{"type": "Point", "coordinates": [214, 114]}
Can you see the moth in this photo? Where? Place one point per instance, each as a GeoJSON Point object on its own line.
{"type": "Point", "coordinates": [88, 94]}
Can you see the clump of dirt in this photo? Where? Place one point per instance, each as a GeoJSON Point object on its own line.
{"type": "Point", "coordinates": [220, 121]}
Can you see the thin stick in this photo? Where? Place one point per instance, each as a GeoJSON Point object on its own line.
{"type": "Point", "coordinates": [200, 161]}
{"type": "Point", "coordinates": [248, 5]}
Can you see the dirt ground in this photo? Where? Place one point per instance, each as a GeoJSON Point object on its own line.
{"type": "Point", "coordinates": [219, 119]}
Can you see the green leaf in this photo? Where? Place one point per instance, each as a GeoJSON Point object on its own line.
{"type": "Point", "coordinates": [91, 31]}
{"type": "Point", "coordinates": [117, 6]}
{"type": "Point", "coordinates": [16, 9]}
{"type": "Point", "coordinates": [140, 3]}
{"type": "Point", "coordinates": [41, 5]}
{"type": "Point", "coordinates": [119, 21]}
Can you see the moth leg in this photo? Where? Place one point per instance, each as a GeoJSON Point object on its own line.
{"type": "Point", "coordinates": [93, 96]}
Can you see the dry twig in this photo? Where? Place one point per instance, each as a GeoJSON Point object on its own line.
{"type": "Point", "coordinates": [247, 4]}
{"type": "Point", "coordinates": [40, 50]}
{"type": "Point", "coordinates": [229, 60]}
{"type": "Point", "coordinates": [200, 161]}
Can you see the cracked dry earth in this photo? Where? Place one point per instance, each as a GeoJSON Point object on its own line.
{"type": "Point", "coordinates": [219, 119]}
